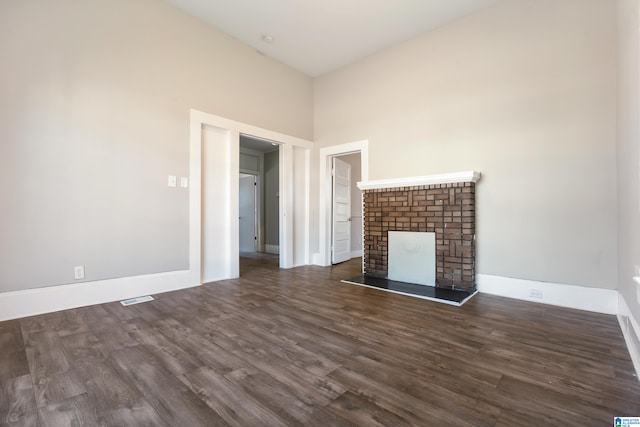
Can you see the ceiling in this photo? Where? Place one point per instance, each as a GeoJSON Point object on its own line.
{"type": "Point", "coordinates": [319, 36]}
{"type": "Point", "coordinates": [257, 144]}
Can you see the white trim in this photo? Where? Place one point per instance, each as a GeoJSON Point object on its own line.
{"type": "Point", "coordinates": [31, 302]}
{"type": "Point", "coordinates": [197, 120]}
{"type": "Point", "coordinates": [579, 297]}
{"type": "Point", "coordinates": [272, 249]}
{"type": "Point", "coordinates": [445, 178]}
{"type": "Point", "coordinates": [324, 191]}
{"type": "Point", "coordinates": [286, 207]}
{"type": "Point", "coordinates": [316, 259]}
{"type": "Point", "coordinates": [248, 130]}
{"type": "Point", "coordinates": [307, 207]}
{"type": "Point", "coordinates": [631, 331]}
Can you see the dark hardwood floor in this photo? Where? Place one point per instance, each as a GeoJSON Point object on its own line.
{"type": "Point", "coordinates": [297, 347]}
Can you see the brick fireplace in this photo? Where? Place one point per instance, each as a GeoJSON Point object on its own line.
{"type": "Point", "coordinates": [441, 204]}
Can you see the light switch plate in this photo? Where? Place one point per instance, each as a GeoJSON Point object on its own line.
{"type": "Point", "coordinates": [172, 181]}
{"type": "Point", "coordinates": [184, 182]}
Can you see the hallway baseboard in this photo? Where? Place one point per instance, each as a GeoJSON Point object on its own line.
{"type": "Point", "coordinates": [272, 249]}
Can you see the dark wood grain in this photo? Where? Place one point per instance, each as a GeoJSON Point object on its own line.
{"type": "Point", "coordinates": [297, 347]}
{"type": "Point", "coordinates": [115, 396]}
{"type": "Point", "coordinates": [46, 356]}
{"type": "Point", "coordinates": [223, 395]}
{"type": "Point", "coordinates": [75, 411]}
{"type": "Point", "coordinates": [57, 387]}
{"type": "Point", "coordinates": [17, 404]}
{"type": "Point", "coordinates": [107, 328]}
{"type": "Point", "coordinates": [174, 401]}
{"type": "Point", "coordinates": [13, 358]}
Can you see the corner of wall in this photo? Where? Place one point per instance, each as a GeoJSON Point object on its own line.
{"type": "Point", "coordinates": [631, 331]}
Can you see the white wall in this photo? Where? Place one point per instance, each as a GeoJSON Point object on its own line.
{"type": "Point", "coordinates": [94, 115]}
{"type": "Point", "coordinates": [523, 92]}
{"type": "Point", "coordinates": [629, 151]}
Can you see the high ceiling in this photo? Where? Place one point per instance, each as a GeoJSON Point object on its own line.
{"type": "Point", "coordinates": [319, 36]}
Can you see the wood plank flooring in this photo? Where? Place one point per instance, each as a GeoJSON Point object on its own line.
{"type": "Point", "coordinates": [297, 347]}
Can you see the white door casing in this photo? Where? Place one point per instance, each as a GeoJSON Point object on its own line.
{"type": "Point", "coordinates": [213, 196]}
{"type": "Point", "coordinates": [323, 256]}
{"type": "Point", "coordinates": [341, 212]}
{"type": "Point", "coordinates": [217, 183]}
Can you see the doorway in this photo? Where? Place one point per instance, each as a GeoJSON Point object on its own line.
{"type": "Point", "coordinates": [248, 210]}
{"type": "Point", "coordinates": [346, 208]}
{"type": "Point", "coordinates": [259, 218]}
{"type": "Point", "coordinates": [359, 148]}
{"type": "Point", "coordinates": [214, 196]}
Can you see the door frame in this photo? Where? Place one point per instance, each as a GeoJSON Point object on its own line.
{"type": "Point", "coordinates": [256, 209]}
{"type": "Point", "coordinates": [259, 174]}
{"type": "Point", "coordinates": [338, 164]}
{"type": "Point", "coordinates": [324, 206]}
{"type": "Point", "coordinates": [288, 211]}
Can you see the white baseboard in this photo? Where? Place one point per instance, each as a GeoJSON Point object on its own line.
{"type": "Point", "coordinates": [579, 297]}
{"type": "Point", "coordinates": [631, 331]}
{"type": "Point", "coordinates": [318, 259]}
{"type": "Point", "coordinates": [315, 258]}
{"type": "Point", "coordinates": [30, 302]}
{"type": "Point", "coordinates": [272, 249]}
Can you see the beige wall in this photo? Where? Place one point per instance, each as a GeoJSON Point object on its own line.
{"type": "Point", "coordinates": [94, 114]}
{"type": "Point", "coordinates": [524, 92]}
{"type": "Point", "coordinates": [628, 149]}
{"type": "Point", "coordinates": [94, 107]}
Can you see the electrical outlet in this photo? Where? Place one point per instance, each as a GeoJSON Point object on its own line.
{"type": "Point", "coordinates": [78, 272]}
{"type": "Point", "coordinates": [535, 293]}
{"type": "Point", "coordinates": [172, 181]}
{"type": "Point", "coordinates": [184, 182]}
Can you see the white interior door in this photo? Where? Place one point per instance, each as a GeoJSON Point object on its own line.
{"type": "Point", "coordinates": [247, 211]}
{"type": "Point", "coordinates": [341, 212]}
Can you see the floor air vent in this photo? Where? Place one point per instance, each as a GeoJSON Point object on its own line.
{"type": "Point", "coordinates": [137, 300]}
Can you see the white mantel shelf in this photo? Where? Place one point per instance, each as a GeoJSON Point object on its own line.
{"type": "Point", "coordinates": [445, 178]}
